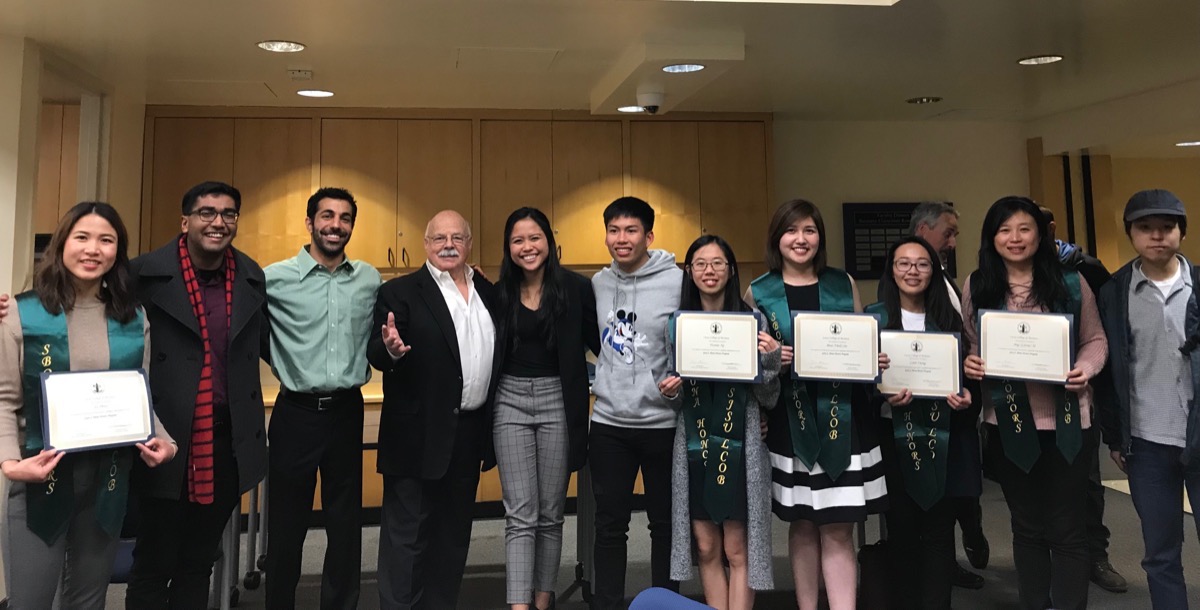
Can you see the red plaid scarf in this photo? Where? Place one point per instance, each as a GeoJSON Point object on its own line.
{"type": "Point", "coordinates": [200, 459]}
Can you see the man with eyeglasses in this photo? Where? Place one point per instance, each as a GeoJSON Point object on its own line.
{"type": "Point", "coordinates": [434, 340]}
{"type": "Point", "coordinates": [206, 303]}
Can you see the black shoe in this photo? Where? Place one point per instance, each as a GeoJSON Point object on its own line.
{"type": "Point", "coordinates": [978, 551]}
{"type": "Point", "coordinates": [966, 579]}
{"type": "Point", "coordinates": [1107, 578]}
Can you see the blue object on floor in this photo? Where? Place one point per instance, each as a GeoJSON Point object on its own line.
{"type": "Point", "coordinates": [656, 598]}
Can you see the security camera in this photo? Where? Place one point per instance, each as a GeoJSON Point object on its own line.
{"type": "Point", "coordinates": [651, 101]}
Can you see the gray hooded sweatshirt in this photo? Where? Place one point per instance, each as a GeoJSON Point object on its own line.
{"type": "Point", "coordinates": [633, 310]}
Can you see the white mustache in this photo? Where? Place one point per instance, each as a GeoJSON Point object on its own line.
{"type": "Point", "coordinates": [448, 252]}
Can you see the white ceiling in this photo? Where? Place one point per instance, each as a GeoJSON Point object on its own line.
{"type": "Point", "coordinates": [799, 60]}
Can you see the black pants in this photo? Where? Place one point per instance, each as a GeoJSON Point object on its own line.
{"type": "Point", "coordinates": [1050, 545]}
{"type": "Point", "coordinates": [305, 440]}
{"type": "Point", "coordinates": [425, 527]}
{"type": "Point", "coordinates": [178, 541]}
{"type": "Point", "coordinates": [1093, 517]}
{"type": "Point", "coordinates": [615, 455]}
{"type": "Point", "coordinates": [920, 542]}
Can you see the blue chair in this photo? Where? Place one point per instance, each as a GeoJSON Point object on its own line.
{"type": "Point", "coordinates": [656, 598]}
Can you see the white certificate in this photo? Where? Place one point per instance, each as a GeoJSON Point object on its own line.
{"type": "Point", "coordinates": [95, 409]}
{"type": "Point", "coordinates": [926, 364]}
{"type": "Point", "coordinates": [718, 346]}
{"type": "Point", "coordinates": [835, 346]}
{"type": "Point", "coordinates": [1029, 346]}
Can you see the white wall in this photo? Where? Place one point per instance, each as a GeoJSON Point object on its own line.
{"type": "Point", "coordinates": [969, 163]}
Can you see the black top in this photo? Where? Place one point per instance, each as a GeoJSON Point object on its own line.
{"type": "Point", "coordinates": [531, 358]}
{"type": "Point", "coordinates": [779, 440]}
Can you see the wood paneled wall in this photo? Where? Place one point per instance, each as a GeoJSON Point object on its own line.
{"type": "Point", "coordinates": [701, 172]}
{"type": "Point", "coordinates": [58, 165]}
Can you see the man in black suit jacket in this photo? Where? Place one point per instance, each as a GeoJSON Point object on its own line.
{"type": "Point", "coordinates": [434, 342]}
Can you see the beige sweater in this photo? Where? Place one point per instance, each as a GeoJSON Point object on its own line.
{"type": "Point", "coordinates": [87, 328]}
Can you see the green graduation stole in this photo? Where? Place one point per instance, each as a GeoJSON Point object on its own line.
{"type": "Point", "coordinates": [46, 349]}
{"type": "Point", "coordinates": [714, 412]}
{"type": "Point", "coordinates": [921, 431]}
{"type": "Point", "coordinates": [1014, 416]}
{"type": "Point", "coordinates": [818, 433]}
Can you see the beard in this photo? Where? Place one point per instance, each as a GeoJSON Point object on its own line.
{"type": "Point", "coordinates": [326, 249]}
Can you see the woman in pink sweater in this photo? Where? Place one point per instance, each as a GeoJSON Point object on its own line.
{"type": "Point", "coordinates": [1036, 449]}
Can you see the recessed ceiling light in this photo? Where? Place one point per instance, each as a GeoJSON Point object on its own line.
{"type": "Point", "coordinates": [1040, 60]}
{"type": "Point", "coordinates": [314, 93]}
{"type": "Point", "coordinates": [682, 68]}
{"type": "Point", "coordinates": [631, 109]}
{"type": "Point", "coordinates": [281, 46]}
{"type": "Point", "coordinates": [924, 99]}
{"type": "Point", "coordinates": [1188, 144]}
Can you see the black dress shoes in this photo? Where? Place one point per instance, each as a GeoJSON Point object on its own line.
{"type": "Point", "coordinates": [1107, 578]}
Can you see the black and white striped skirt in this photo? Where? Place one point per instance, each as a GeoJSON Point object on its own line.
{"type": "Point", "coordinates": [798, 493]}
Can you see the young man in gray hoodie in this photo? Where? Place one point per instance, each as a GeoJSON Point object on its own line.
{"type": "Point", "coordinates": [633, 422]}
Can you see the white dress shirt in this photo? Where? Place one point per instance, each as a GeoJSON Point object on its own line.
{"type": "Point", "coordinates": [476, 336]}
{"type": "Point", "coordinates": [954, 300]}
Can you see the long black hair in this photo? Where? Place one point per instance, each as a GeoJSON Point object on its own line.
{"type": "Point", "coordinates": [54, 284]}
{"type": "Point", "coordinates": [689, 294]}
{"type": "Point", "coordinates": [989, 284]}
{"type": "Point", "coordinates": [554, 302]}
{"type": "Point", "coordinates": [939, 309]}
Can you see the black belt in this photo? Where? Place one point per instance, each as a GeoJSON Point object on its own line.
{"type": "Point", "coordinates": [324, 401]}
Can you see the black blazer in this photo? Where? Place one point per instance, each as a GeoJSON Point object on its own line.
{"type": "Point", "coordinates": [177, 355]}
{"type": "Point", "coordinates": [422, 391]}
{"type": "Point", "coordinates": [576, 331]}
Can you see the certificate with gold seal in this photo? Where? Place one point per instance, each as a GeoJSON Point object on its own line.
{"type": "Point", "coordinates": [717, 346]}
{"type": "Point", "coordinates": [1028, 346]}
{"type": "Point", "coordinates": [835, 346]}
{"type": "Point", "coordinates": [84, 410]}
{"type": "Point", "coordinates": [926, 364]}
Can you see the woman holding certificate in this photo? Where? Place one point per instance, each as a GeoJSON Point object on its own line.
{"type": "Point", "coordinates": [825, 480]}
{"type": "Point", "coordinates": [1035, 339]}
{"type": "Point", "coordinates": [934, 455]}
{"type": "Point", "coordinates": [65, 509]}
{"type": "Point", "coordinates": [721, 479]}
{"type": "Point", "coordinates": [545, 320]}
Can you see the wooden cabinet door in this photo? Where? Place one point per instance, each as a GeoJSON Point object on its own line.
{"type": "Point", "coordinates": [515, 171]}
{"type": "Point", "coordinates": [665, 167]}
{"type": "Point", "coordinates": [360, 155]}
{"type": "Point", "coordinates": [186, 153]}
{"type": "Point", "coordinates": [733, 185]}
{"type": "Point", "coordinates": [588, 175]}
{"type": "Point", "coordinates": [272, 166]}
{"type": "Point", "coordinates": [434, 171]}
{"type": "Point", "coordinates": [49, 179]}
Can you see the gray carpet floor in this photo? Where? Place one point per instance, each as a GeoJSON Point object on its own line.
{"type": "Point", "coordinates": [483, 586]}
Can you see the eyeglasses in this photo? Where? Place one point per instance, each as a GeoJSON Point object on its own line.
{"type": "Point", "coordinates": [457, 239]}
{"type": "Point", "coordinates": [230, 216]}
{"type": "Point", "coordinates": [702, 266]}
{"type": "Point", "coordinates": [903, 265]}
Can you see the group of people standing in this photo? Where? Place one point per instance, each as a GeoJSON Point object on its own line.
{"type": "Point", "coordinates": [477, 374]}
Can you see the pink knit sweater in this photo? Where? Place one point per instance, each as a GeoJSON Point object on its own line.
{"type": "Point", "coordinates": [1090, 356]}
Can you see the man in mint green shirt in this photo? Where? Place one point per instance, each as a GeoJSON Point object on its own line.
{"type": "Point", "coordinates": [321, 305]}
